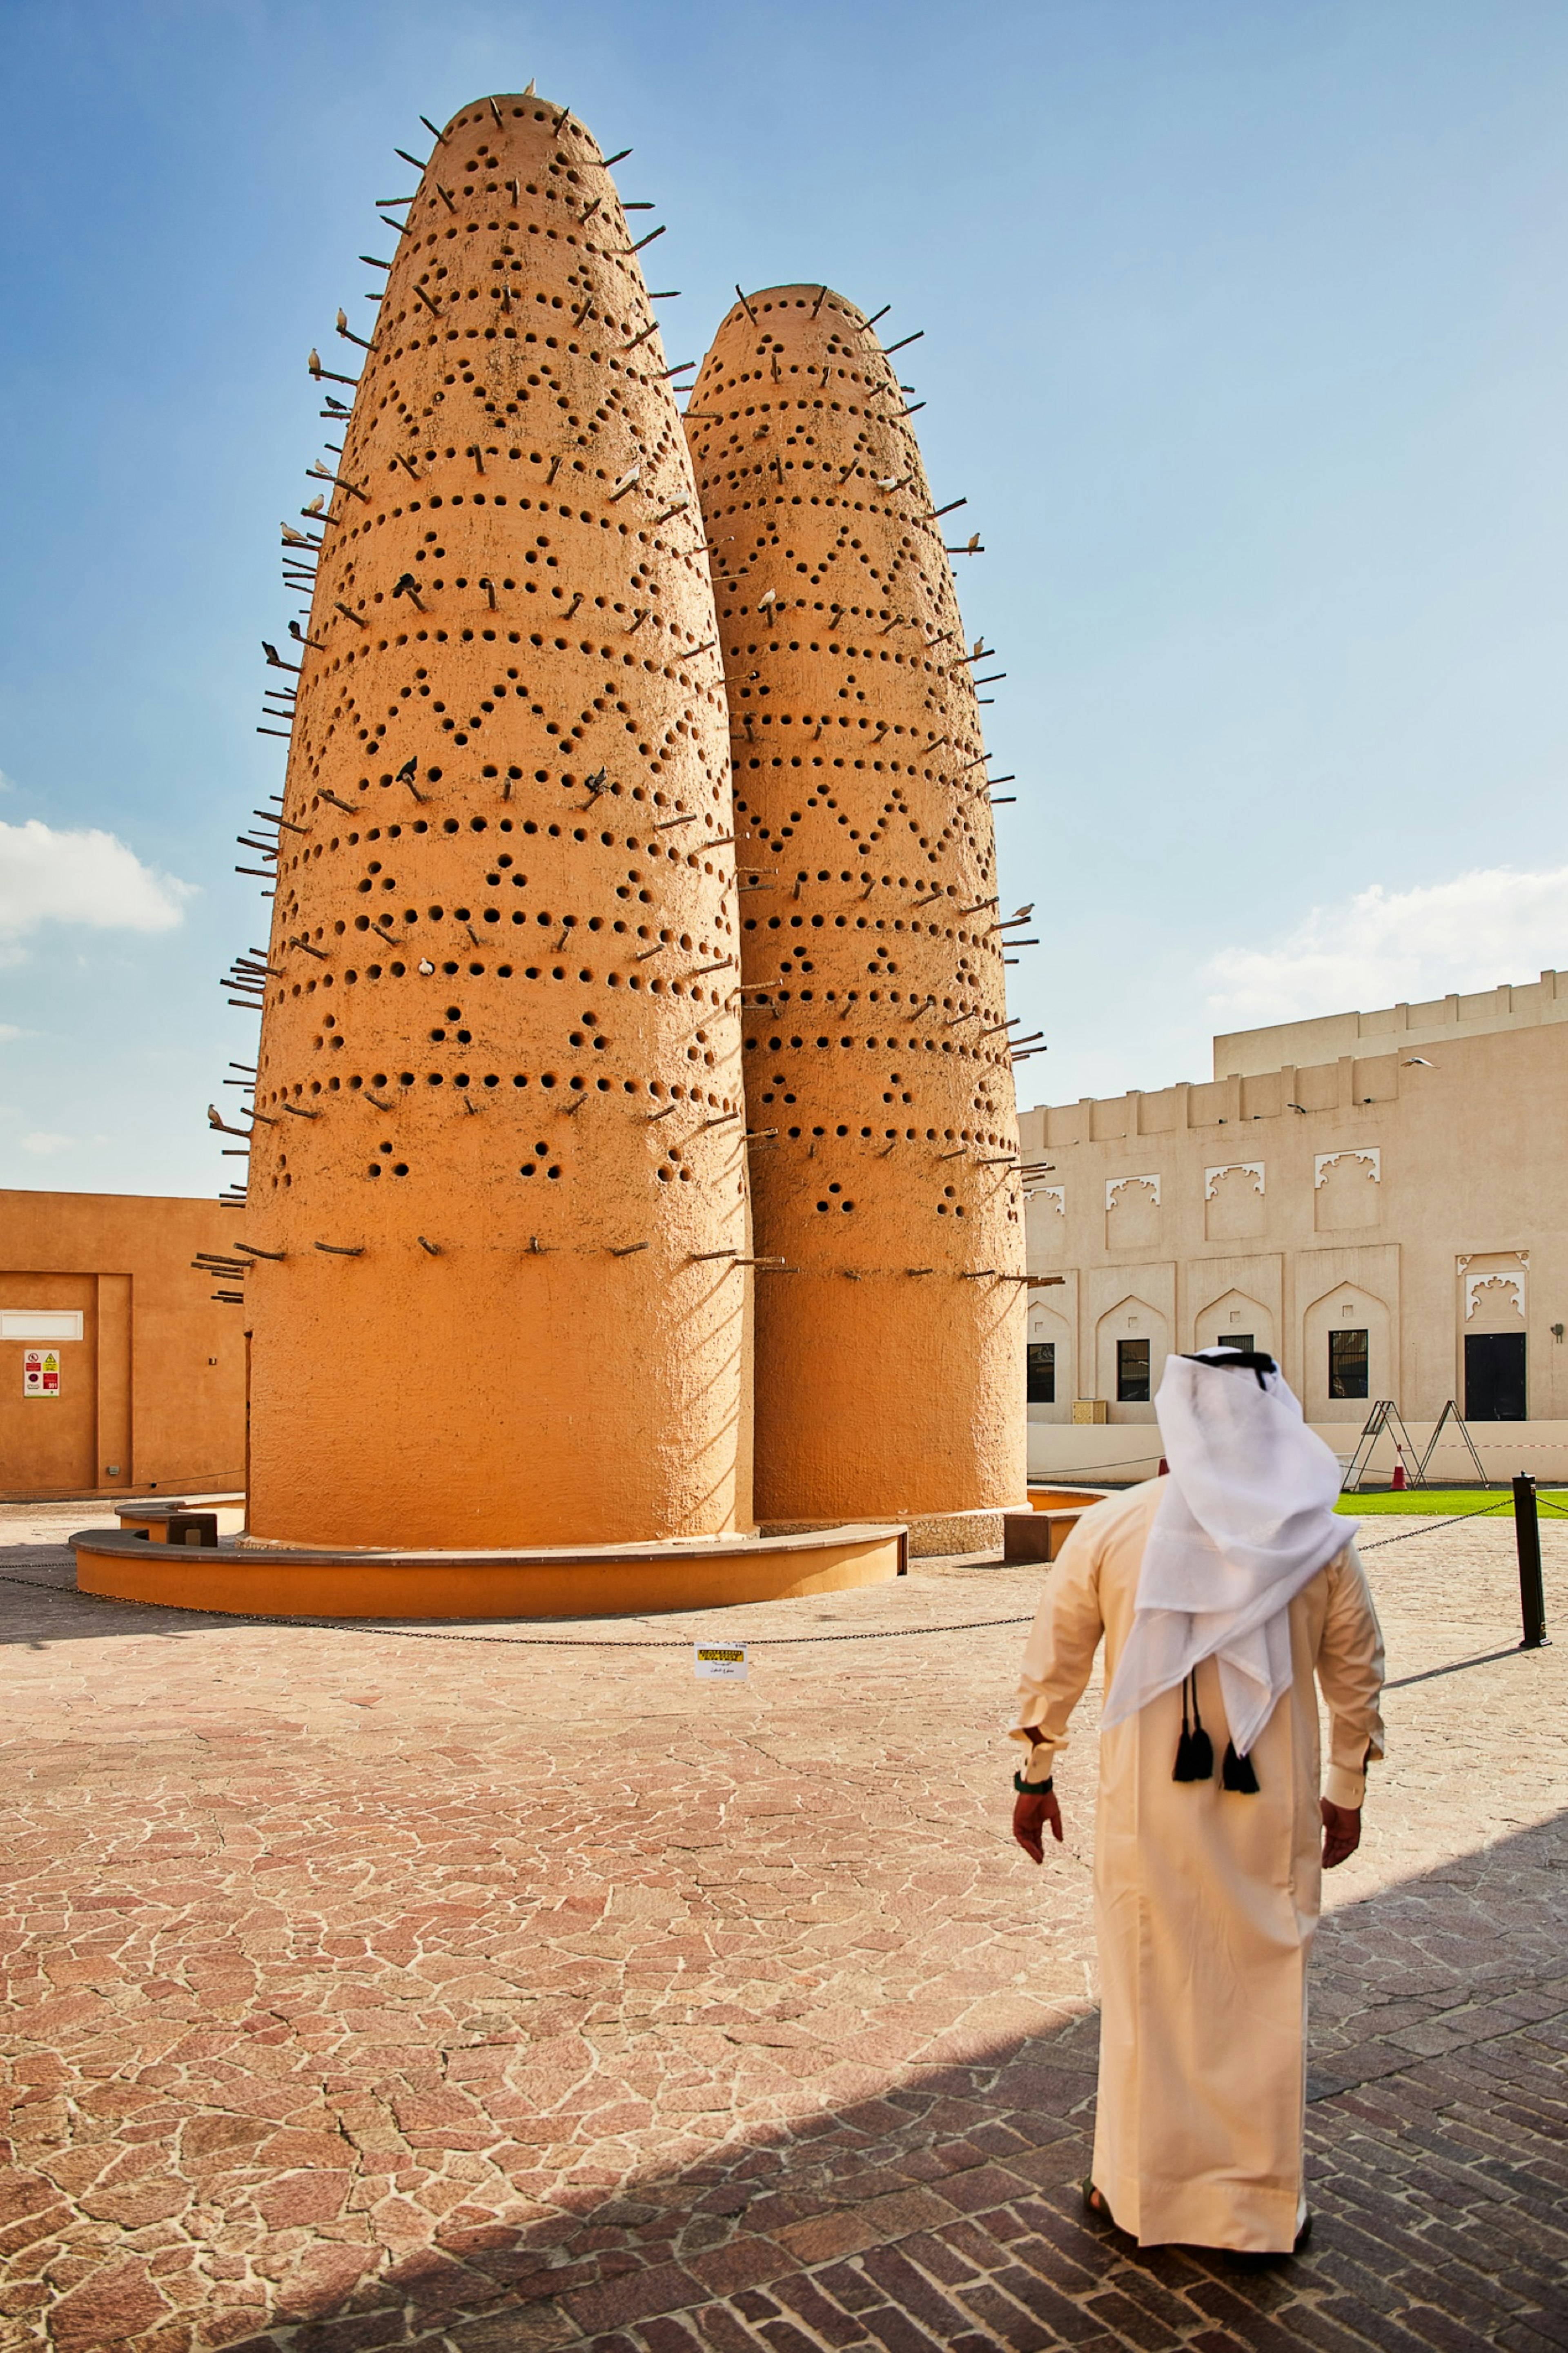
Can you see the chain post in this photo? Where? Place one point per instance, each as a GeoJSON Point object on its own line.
{"type": "Point", "coordinates": [1527, 1535]}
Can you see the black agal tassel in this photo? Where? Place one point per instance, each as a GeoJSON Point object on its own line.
{"type": "Point", "coordinates": [1236, 1772]}
{"type": "Point", "coordinates": [1194, 1749]}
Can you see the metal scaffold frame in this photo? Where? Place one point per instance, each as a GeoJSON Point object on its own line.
{"type": "Point", "coordinates": [1386, 1418]}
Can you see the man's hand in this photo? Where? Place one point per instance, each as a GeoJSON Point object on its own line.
{"type": "Point", "coordinates": [1342, 1833]}
{"type": "Point", "coordinates": [1030, 1816]}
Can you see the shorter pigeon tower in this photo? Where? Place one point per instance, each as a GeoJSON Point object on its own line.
{"type": "Point", "coordinates": [878, 1080]}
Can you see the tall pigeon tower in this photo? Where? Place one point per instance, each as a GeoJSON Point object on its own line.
{"type": "Point", "coordinates": [891, 1367]}
{"type": "Point", "coordinates": [498, 1189]}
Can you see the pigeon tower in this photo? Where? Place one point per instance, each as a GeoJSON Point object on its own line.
{"type": "Point", "coordinates": [889, 1369]}
{"type": "Point", "coordinates": [497, 1201]}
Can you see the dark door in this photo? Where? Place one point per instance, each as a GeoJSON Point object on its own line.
{"type": "Point", "coordinates": [1494, 1376]}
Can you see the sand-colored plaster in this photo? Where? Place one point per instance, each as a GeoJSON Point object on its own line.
{"type": "Point", "coordinates": [1419, 1199]}
{"type": "Point", "coordinates": [152, 1395]}
{"type": "Point", "coordinates": [504, 939]}
{"type": "Point", "coordinates": [878, 1084]}
{"type": "Point", "coordinates": [259, 1581]}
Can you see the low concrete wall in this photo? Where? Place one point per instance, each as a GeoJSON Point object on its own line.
{"type": "Point", "coordinates": [1119, 1454]}
{"type": "Point", "coordinates": [936, 1535]}
{"type": "Point", "coordinates": [246, 1578]}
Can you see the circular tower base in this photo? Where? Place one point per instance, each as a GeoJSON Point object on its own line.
{"type": "Point", "coordinates": [251, 1580]}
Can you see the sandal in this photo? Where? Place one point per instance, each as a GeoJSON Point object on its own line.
{"type": "Point", "coordinates": [1095, 2203]}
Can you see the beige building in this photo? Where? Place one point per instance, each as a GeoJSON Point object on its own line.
{"type": "Point", "coordinates": [1378, 1199]}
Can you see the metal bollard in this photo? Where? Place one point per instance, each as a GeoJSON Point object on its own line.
{"type": "Point", "coordinates": [1527, 1535]}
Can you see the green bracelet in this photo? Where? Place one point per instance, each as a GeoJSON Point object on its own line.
{"type": "Point", "coordinates": [1033, 1789]}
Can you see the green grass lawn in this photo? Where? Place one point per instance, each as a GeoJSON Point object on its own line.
{"type": "Point", "coordinates": [1443, 1500]}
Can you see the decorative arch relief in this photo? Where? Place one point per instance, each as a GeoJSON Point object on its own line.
{"type": "Point", "coordinates": [1056, 1193]}
{"type": "Point", "coordinates": [1475, 1284]}
{"type": "Point", "coordinates": [1114, 1186]}
{"type": "Point", "coordinates": [1370, 1154]}
{"type": "Point", "coordinates": [1234, 1168]}
{"type": "Point", "coordinates": [1132, 1314]}
{"type": "Point", "coordinates": [1235, 1307]}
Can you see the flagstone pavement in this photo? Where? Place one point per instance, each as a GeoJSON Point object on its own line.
{"type": "Point", "coordinates": [368, 1991]}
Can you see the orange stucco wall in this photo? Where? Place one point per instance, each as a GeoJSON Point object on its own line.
{"type": "Point", "coordinates": [557, 1584]}
{"type": "Point", "coordinates": [497, 1183]}
{"type": "Point", "coordinates": [153, 1393]}
{"type": "Point", "coordinates": [876, 1070]}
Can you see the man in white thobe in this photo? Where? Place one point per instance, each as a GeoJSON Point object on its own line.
{"type": "Point", "coordinates": [1220, 1591]}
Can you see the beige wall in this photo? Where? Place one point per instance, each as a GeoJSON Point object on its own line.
{"type": "Point", "coordinates": [153, 1392]}
{"type": "Point", "coordinates": [1407, 1027]}
{"type": "Point", "coordinates": [1415, 1203]}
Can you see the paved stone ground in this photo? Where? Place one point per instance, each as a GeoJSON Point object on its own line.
{"type": "Point", "coordinates": [372, 1991]}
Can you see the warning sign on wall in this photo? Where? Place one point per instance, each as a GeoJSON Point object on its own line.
{"type": "Point", "coordinates": [40, 1372]}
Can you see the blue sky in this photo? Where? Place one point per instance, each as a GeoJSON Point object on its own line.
{"type": "Point", "coordinates": [1246, 338]}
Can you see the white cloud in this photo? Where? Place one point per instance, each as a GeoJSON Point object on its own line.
{"type": "Point", "coordinates": [8, 1030]}
{"type": "Point", "coordinates": [1385, 947]}
{"type": "Point", "coordinates": [80, 876]}
{"type": "Point", "coordinates": [42, 1142]}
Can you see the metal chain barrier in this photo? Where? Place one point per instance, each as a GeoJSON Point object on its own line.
{"type": "Point", "coordinates": [1504, 1503]}
{"type": "Point", "coordinates": [1533, 1610]}
{"type": "Point", "coordinates": [515, 1641]}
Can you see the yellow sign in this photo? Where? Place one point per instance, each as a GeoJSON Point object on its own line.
{"type": "Point", "coordinates": [713, 1665]}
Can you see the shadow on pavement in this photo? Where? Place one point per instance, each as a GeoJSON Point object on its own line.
{"type": "Point", "coordinates": [939, 2209]}
{"type": "Point", "coordinates": [945, 2212]}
